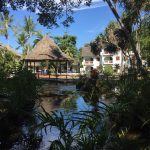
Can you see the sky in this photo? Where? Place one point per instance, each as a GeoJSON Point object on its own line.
{"type": "Point", "coordinates": [89, 22]}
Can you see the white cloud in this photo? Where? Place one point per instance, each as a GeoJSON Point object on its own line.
{"type": "Point", "coordinates": [95, 4]}
{"type": "Point", "coordinates": [77, 0]}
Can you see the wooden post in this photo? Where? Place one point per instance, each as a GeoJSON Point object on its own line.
{"type": "Point", "coordinates": [60, 67]}
{"type": "Point", "coordinates": [38, 74]}
{"type": "Point", "coordinates": [66, 70]}
{"type": "Point", "coordinates": [25, 62]}
{"type": "Point", "coordinates": [30, 65]}
{"type": "Point", "coordinates": [49, 69]}
{"type": "Point", "coordinates": [56, 69]}
{"type": "Point", "coordinates": [34, 66]}
{"type": "Point", "coordinates": [27, 65]}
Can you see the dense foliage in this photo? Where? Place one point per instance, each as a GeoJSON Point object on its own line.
{"type": "Point", "coordinates": [24, 34]}
{"type": "Point", "coordinates": [82, 131]}
{"type": "Point", "coordinates": [108, 70]}
{"type": "Point", "coordinates": [130, 110]}
{"type": "Point", "coordinates": [8, 62]}
{"type": "Point", "coordinates": [144, 38]}
{"type": "Point", "coordinates": [20, 91]}
{"type": "Point", "coordinates": [5, 23]}
{"type": "Point", "coordinates": [50, 11]}
{"type": "Point", "coordinates": [67, 44]}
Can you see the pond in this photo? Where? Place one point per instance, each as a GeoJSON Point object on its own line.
{"type": "Point", "coordinates": [65, 98]}
{"type": "Point", "coordinates": [61, 97]}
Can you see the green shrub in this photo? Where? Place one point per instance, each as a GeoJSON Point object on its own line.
{"type": "Point", "coordinates": [133, 111]}
{"type": "Point", "coordinates": [23, 89]}
{"type": "Point", "coordinates": [83, 130]}
{"type": "Point", "coordinates": [22, 92]}
{"type": "Point", "coordinates": [108, 70]}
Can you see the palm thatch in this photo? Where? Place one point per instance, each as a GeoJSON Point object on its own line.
{"type": "Point", "coordinates": [46, 49]}
{"type": "Point", "coordinates": [86, 51]}
{"type": "Point", "coordinates": [10, 49]}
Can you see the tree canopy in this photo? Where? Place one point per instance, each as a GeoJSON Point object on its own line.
{"type": "Point", "coordinates": [7, 61]}
{"type": "Point", "coordinates": [50, 11]}
{"type": "Point", "coordinates": [144, 38]}
{"type": "Point", "coordinates": [106, 40]}
{"type": "Point", "coordinates": [5, 23]}
{"type": "Point", "coordinates": [67, 44]}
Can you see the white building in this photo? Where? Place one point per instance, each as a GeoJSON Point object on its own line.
{"type": "Point", "coordinates": [103, 59]}
{"type": "Point", "coordinates": [113, 59]}
{"type": "Point", "coordinates": [88, 60]}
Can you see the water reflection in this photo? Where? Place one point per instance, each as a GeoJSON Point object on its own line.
{"type": "Point", "coordinates": [67, 100]}
{"type": "Point", "coordinates": [60, 97]}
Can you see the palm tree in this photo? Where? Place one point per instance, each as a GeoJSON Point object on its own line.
{"type": "Point", "coordinates": [29, 29]}
{"type": "Point", "coordinates": [22, 40]}
{"type": "Point", "coordinates": [123, 27]}
{"type": "Point", "coordinates": [5, 23]}
{"type": "Point", "coordinates": [39, 36]}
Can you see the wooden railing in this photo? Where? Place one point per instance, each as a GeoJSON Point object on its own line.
{"type": "Point", "coordinates": [88, 62]}
{"type": "Point", "coordinates": [108, 62]}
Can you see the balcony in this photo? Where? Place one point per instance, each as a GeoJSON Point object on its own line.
{"type": "Point", "coordinates": [107, 53]}
{"type": "Point", "coordinates": [88, 63]}
{"type": "Point", "coordinates": [108, 62]}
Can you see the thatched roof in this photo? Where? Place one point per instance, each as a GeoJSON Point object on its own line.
{"type": "Point", "coordinates": [46, 49]}
{"type": "Point", "coordinates": [10, 49]}
{"type": "Point", "coordinates": [86, 51]}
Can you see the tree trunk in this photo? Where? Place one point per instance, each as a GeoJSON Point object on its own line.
{"type": "Point", "coordinates": [139, 62]}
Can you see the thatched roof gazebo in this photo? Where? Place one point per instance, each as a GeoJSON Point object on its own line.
{"type": "Point", "coordinates": [46, 50]}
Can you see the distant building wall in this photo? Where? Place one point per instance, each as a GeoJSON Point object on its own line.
{"type": "Point", "coordinates": [117, 60]}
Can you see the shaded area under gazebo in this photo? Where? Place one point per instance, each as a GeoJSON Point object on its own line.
{"type": "Point", "coordinates": [48, 54]}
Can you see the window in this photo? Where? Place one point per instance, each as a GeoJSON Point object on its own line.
{"type": "Point", "coordinates": [98, 59]}
{"type": "Point", "coordinates": [117, 58]}
{"type": "Point", "coordinates": [108, 60]}
{"type": "Point", "coordinates": [105, 52]}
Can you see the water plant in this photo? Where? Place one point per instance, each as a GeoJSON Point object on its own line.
{"type": "Point", "coordinates": [83, 130]}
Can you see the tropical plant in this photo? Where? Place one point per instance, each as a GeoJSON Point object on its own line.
{"type": "Point", "coordinates": [5, 23]}
{"type": "Point", "coordinates": [39, 36]}
{"type": "Point", "coordinates": [144, 38]}
{"type": "Point", "coordinates": [25, 33]}
{"type": "Point", "coordinates": [19, 94]}
{"type": "Point", "coordinates": [55, 10]}
{"type": "Point", "coordinates": [117, 67]}
{"type": "Point", "coordinates": [90, 132]}
{"type": "Point", "coordinates": [22, 40]}
{"type": "Point", "coordinates": [132, 105]}
{"type": "Point", "coordinates": [8, 62]}
{"type": "Point", "coordinates": [67, 44]}
{"type": "Point", "coordinates": [108, 70]}
{"type": "Point", "coordinates": [96, 45]}
{"type": "Point", "coordinates": [21, 91]}
{"type": "Point", "coordinates": [29, 29]}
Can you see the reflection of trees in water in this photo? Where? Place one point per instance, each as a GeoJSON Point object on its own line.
{"type": "Point", "coordinates": [67, 102]}
{"type": "Point", "coordinates": [70, 103]}
{"type": "Point", "coordinates": [93, 99]}
{"type": "Point", "coordinates": [51, 103]}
